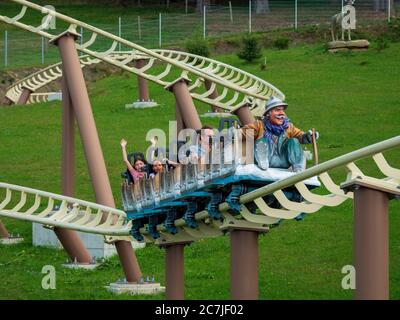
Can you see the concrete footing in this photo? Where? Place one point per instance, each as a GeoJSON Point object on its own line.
{"type": "Point", "coordinates": [142, 105]}
{"type": "Point", "coordinates": [54, 96]}
{"type": "Point", "coordinates": [81, 266]}
{"type": "Point", "coordinates": [94, 243]}
{"type": "Point", "coordinates": [135, 288]}
{"type": "Point", "coordinates": [11, 240]}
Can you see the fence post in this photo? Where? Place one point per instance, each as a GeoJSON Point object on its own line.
{"type": "Point", "coordinates": [6, 48]}
{"type": "Point", "coordinates": [186, 6]}
{"type": "Point", "coordinates": [81, 36]}
{"type": "Point", "coordinates": [81, 41]}
{"type": "Point", "coordinates": [42, 50]}
{"type": "Point", "coordinates": [159, 32]}
{"type": "Point", "coordinates": [119, 32]}
{"type": "Point", "coordinates": [230, 11]}
{"type": "Point", "coordinates": [295, 14]}
{"type": "Point", "coordinates": [139, 28]}
{"type": "Point", "coordinates": [249, 16]}
{"type": "Point", "coordinates": [388, 10]}
{"type": "Point", "coordinates": [204, 22]}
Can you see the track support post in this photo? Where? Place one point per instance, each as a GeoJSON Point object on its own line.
{"type": "Point", "coordinates": [69, 239]}
{"type": "Point", "coordinates": [24, 97]}
{"type": "Point", "coordinates": [3, 231]}
{"type": "Point", "coordinates": [174, 270]}
{"type": "Point", "coordinates": [244, 114]}
{"type": "Point", "coordinates": [184, 103]}
{"type": "Point", "coordinates": [91, 143]}
{"type": "Point", "coordinates": [244, 264]}
{"type": "Point", "coordinates": [7, 101]}
{"type": "Point", "coordinates": [244, 256]}
{"type": "Point", "coordinates": [144, 95]}
{"type": "Point", "coordinates": [371, 239]}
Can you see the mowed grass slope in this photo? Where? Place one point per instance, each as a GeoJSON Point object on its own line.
{"type": "Point", "coordinates": [353, 101]}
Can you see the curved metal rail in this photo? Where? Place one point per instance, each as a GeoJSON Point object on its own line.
{"type": "Point", "coordinates": [60, 211]}
{"type": "Point", "coordinates": [238, 87]}
{"type": "Point", "coordinates": [314, 202]}
{"type": "Point", "coordinates": [43, 97]}
{"type": "Point", "coordinates": [41, 78]}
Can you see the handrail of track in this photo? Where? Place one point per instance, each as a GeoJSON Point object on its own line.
{"type": "Point", "coordinates": [61, 211]}
{"type": "Point", "coordinates": [41, 78]}
{"type": "Point", "coordinates": [313, 202]}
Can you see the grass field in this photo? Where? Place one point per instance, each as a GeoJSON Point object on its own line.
{"type": "Point", "coordinates": [353, 101]}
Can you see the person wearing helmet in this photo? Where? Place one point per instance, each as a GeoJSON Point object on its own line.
{"type": "Point", "coordinates": [277, 140]}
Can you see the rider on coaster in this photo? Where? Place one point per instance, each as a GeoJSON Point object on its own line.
{"type": "Point", "coordinates": [277, 140]}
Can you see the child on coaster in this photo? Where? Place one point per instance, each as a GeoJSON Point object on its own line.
{"type": "Point", "coordinates": [138, 170]}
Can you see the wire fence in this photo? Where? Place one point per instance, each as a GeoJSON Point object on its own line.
{"type": "Point", "coordinates": [20, 48]}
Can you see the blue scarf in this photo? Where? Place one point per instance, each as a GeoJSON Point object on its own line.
{"type": "Point", "coordinates": [276, 130]}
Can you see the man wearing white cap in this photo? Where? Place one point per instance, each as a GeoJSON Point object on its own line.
{"type": "Point", "coordinates": [277, 139]}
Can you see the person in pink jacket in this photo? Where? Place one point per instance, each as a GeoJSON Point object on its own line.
{"type": "Point", "coordinates": [137, 170]}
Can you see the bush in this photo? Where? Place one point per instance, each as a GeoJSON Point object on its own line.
{"type": "Point", "coordinates": [251, 49]}
{"type": "Point", "coordinates": [198, 45]}
{"type": "Point", "coordinates": [394, 29]}
{"type": "Point", "coordinates": [382, 43]}
{"type": "Point", "coordinates": [281, 43]}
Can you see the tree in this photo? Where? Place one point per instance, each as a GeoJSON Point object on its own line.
{"type": "Point", "coordinates": [251, 49]}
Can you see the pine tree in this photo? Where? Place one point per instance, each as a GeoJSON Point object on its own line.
{"type": "Point", "coordinates": [251, 49]}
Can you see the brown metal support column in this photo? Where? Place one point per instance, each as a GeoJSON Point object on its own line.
{"type": "Point", "coordinates": [7, 101]}
{"type": "Point", "coordinates": [3, 231]}
{"type": "Point", "coordinates": [245, 115]}
{"type": "Point", "coordinates": [174, 271]}
{"type": "Point", "coordinates": [185, 104]}
{"type": "Point", "coordinates": [143, 85]}
{"type": "Point", "coordinates": [371, 248]}
{"type": "Point", "coordinates": [69, 239]}
{"type": "Point", "coordinates": [91, 143]}
{"type": "Point", "coordinates": [68, 142]}
{"type": "Point", "coordinates": [213, 95]}
{"type": "Point", "coordinates": [179, 120]}
{"type": "Point", "coordinates": [244, 265]}
{"type": "Point", "coordinates": [24, 97]}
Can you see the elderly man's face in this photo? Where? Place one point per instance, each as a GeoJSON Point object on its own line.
{"type": "Point", "coordinates": [277, 116]}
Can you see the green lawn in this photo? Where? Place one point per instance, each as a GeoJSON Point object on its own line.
{"type": "Point", "coordinates": [353, 101]}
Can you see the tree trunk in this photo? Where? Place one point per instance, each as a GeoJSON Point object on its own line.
{"type": "Point", "coordinates": [262, 6]}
